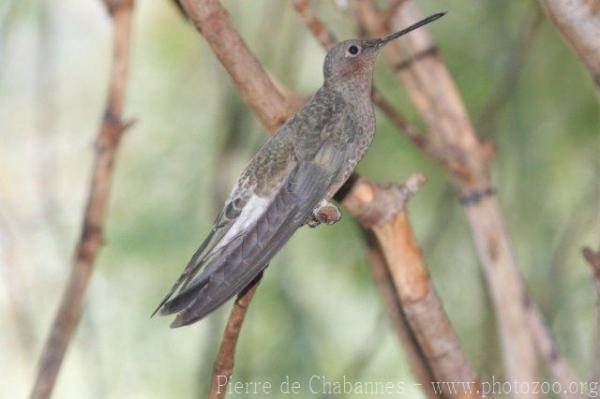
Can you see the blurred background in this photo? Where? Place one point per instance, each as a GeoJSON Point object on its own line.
{"type": "Point", "coordinates": [317, 311]}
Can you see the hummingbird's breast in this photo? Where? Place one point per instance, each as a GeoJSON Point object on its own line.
{"type": "Point", "coordinates": [365, 121]}
{"type": "Point", "coordinates": [358, 134]}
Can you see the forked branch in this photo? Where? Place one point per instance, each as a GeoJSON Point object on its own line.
{"type": "Point", "coordinates": [382, 210]}
{"type": "Point", "coordinates": [422, 70]}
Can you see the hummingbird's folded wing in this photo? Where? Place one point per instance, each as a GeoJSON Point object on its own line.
{"type": "Point", "coordinates": [217, 236]}
{"type": "Point", "coordinates": [305, 159]}
{"type": "Point", "coordinates": [231, 267]}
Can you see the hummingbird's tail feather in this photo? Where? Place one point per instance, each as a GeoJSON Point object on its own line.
{"type": "Point", "coordinates": [197, 261]}
{"type": "Point", "coordinates": [247, 255]}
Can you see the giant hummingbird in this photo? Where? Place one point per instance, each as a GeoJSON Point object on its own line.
{"type": "Point", "coordinates": [287, 184]}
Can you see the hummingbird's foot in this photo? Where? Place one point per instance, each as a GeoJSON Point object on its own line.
{"type": "Point", "coordinates": [326, 213]}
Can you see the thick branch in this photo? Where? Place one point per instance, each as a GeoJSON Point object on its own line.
{"type": "Point", "coordinates": [417, 360]}
{"type": "Point", "coordinates": [90, 239]}
{"type": "Point", "coordinates": [211, 19]}
{"type": "Point", "coordinates": [420, 302]}
{"type": "Point", "coordinates": [223, 367]}
{"type": "Point", "coordinates": [430, 85]}
{"type": "Point", "coordinates": [579, 23]}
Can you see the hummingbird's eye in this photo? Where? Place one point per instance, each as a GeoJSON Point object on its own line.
{"type": "Point", "coordinates": [353, 50]}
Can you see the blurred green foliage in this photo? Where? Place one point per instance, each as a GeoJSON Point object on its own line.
{"type": "Point", "coordinates": [317, 306]}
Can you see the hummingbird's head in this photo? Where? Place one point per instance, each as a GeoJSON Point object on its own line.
{"type": "Point", "coordinates": [351, 62]}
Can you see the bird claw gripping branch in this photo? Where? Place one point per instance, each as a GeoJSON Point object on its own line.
{"type": "Point", "coordinates": [325, 213]}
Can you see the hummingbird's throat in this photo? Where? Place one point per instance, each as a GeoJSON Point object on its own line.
{"type": "Point", "coordinates": [355, 83]}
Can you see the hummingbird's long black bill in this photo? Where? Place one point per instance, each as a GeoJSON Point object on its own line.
{"type": "Point", "coordinates": [382, 41]}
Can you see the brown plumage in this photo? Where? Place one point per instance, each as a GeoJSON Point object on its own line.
{"type": "Point", "coordinates": [296, 171]}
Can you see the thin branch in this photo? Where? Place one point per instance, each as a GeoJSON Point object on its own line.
{"type": "Point", "coordinates": [409, 130]}
{"type": "Point", "coordinates": [90, 239]}
{"type": "Point", "coordinates": [314, 24]}
{"type": "Point", "coordinates": [593, 259]}
{"type": "Point", "coordinates": [423, 71]}
{"type": "Point", "coordinates": [382, 209]}
{"type": "Point", "coordinates": [223, 367]}
{"type": "Point", "coordinates": [579, 23]}
{"type": "Point", "coordinates": [509, 77]}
